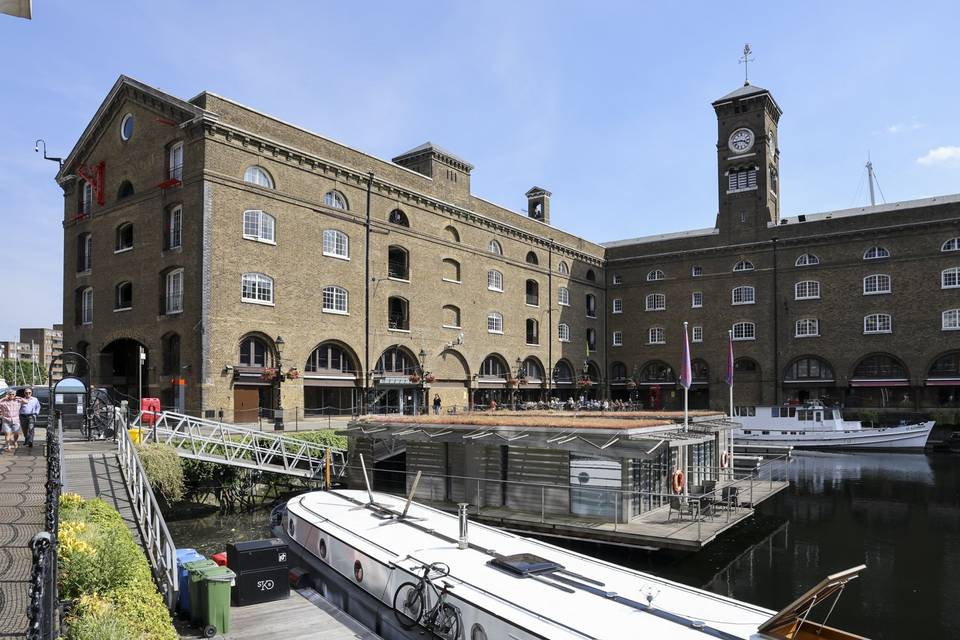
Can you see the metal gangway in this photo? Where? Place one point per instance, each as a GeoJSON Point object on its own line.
{"type": "Point", "coordinates": [212, 441]}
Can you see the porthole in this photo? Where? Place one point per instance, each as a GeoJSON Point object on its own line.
{"type": "Point", "coordinates": [358, 571]}
{"type": "Point", "coordinates": [126, 127]}
{"type": "Point", "coordinates": [477, 632]}
{"type": "Point", "coordinates": [323, 549]}
{"type": "Point", "coordinates": [290, 527]}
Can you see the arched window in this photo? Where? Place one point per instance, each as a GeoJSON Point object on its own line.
{"type": "Point", "coordinates": [745, 365]}
{"type": "Point", "coordinates": [591, 339]}
{"type": "Point", "coordinates": [398, 217]}
{"type": "Point", "coordinates": [334, 300]}
{"type": "Point", "coordinates": [881, 366]}
{"type": "Point", "coordinates": [450, 271]}
{"type": "Point", "coordinates": [809, 368]}
{"type": "Point", "coordinates": [946, 366]}
{"type": "Point", "coordinates": [618, 372]}
{"type": "Point", "coordinates": [878, 323]}
{"type": "Point", "coordinates": [532, 293]}
{"type": "Point", "coordinates": [657, 372]}
{"type": "Point", "coordinates": [85, 205]}
{"type": "Point", "coordinates": [806, 290]}
{"type": "Point", "coordinates": [494, 280]}
{"type": "Point", "coordinates": [171, 286]}
{"type": "Point", "coordinates": [395, 361]}
{"type": "Point", "coordinates": [493, 367]}
{"type": "Point", "coordinates": [452, 234]}
{"type": "Point", "coordinates": [875, 284]}
{"type": "Point", "coordinates": [170, 347]}
{"type": "Point", "coordinates": [743, 295]}
{"type": "Point", "coordinates": [875, 253]}
{"type": "Point", "coordinates": [806, 260]}
{"type": "Point", "coordinates": [953, 244]}
{"type": "Point", "coordinates": [950, 278]}
{"type": "Point", "coordinates": [123, 298]}
{"type": "Point", "coordinates": [807, 328]}
{"type": "Point", "coordinates": [563, 332]}
{"type": "Point", "coordinates": [254, 352]}
{"type": "Point", "coordinates": [591, 302]}
{"type": "Point", "coordinates": [398, 313]}
{"type": "Point", "coordinates": [255, 174]}
{"type": "Point", "coordinates": [563, 269]}
{"type": "Point", "coordinates": [744, 331]}
{"type": "Point", "coordinates": [741, 179]}
{"type": "Point", "coordinates": [256, 288]}
{"type": "Point", "coordinates": [125, 190]}
{"type": "Point", "coordinates": [562, 373]}
{"type": "Point", "coordinates": [451, 316]}
{"type": "Point", "coordinates": [84, 252]}
{"type": "Point", "coordinates": [656, 302]}
{"type": "Point", "coordinates": [591, 276]}
{"type": "Point", "coordinates": [656, 335]}
{"type": "Point", "coordinates": [398, 263]}
{"type": "Point", "coordinates": [950, 320]}
{"type": "Point", "coordinates": [173, 228]}
{"type": "Point", "coordinates": [336, 200]}
{"type": "Point", "coordinates": [531, 371]}
{"type": "Point", "coordinates": [533, 331]}
{"type": "Point", "coordinates": [532, 258]}
{"type": "Point", "coordinates": [329, 358]}
{"type": "Point", "coordinates": [124, 237]}
{"type": "Point", "coordinates": [175, 162]}
{"type": "Point", "coordinates": [656, 274]}
{"type": "Point", "coordinates": [743, 265]}
{"type": "Point", "coordinates": [336, 244]}
{"type": "Point", "coordinates": [259, 225]}
{"type": "Point", "coordinates": [563, 296]}
{"type": "Point", "coordinates": [494, 322]}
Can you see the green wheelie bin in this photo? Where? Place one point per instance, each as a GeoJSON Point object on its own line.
{"type": "Point", "coordinates": [215, 600]}
{"type": "Point", "coordinates": [195, 571]}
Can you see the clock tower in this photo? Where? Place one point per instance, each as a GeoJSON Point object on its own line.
{"type": "Point", "coordinates": [748, 163]}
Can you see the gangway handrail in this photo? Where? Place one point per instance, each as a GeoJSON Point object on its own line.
{"type": "Point", "coordinates": [157, 540]}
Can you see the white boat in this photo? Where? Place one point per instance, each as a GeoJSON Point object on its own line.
{"type": "Point", "coordinates": [365, 552]}
{"type": "Point", "coordinates": [812, 425]}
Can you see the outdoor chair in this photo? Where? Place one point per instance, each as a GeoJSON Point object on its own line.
{"type": "Point", "coordinates": [681, 507]}
{"type": "Point", "coordinates": [709, 495]}
{"type": "Point", "coordinates": [729, 496]}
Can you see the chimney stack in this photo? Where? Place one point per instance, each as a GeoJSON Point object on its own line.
{"type": "Point", "coordinates": [462, 517]}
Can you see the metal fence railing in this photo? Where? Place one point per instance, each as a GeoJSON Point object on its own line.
{"type": "Point", "coordinates": [44, 605]}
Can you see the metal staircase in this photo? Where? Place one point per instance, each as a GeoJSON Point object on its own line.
{"type": "Point", "coordinates": [222, 443]}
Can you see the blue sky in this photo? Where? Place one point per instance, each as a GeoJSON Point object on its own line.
{"type": "Point", "coordinates": [605, 104]}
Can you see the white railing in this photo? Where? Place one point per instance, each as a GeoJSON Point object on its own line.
{"type": "Point", "coordinates": [156, 538]}
{"type": "Point", "coordinates": [212, 441]}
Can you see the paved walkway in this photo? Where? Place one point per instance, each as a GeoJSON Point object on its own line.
{"type": "Point", "coordinates": [23, 476]}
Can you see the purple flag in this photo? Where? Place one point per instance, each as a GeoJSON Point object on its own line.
{"type": "Point", "coordinates": [686, 375]}
{"type": "Point", "coordinates": [730, 358]}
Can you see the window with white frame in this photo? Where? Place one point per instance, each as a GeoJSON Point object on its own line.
{"type": "Point", "coordinates": [174, 228]}
{"type": "Point", "coordinates": [878, 323]}
{"type": "Point", "coordinates": [494, 322]}
{"type": "Point", "coordinates": [656, 335]}
{"type": "Point", "coordinates": [495, 248]}
{"type": "Point", "coordinates": [875, 253]}
{"type": "Point", "coordinates": [950, 278]}
{"type": "Point", "coordinates": [806, 290]}
{"type": "Point", "coordinates": [696, 271]}
{"type": "Point", "coordinates": [335, 200]}
{"type": "Point", "coordinates": [86, 199]}
{"type": "Point", "coordinates": [563, 269]}
{"type": "Point", "coordinates": [742, 179]}
{"type": "Point", "coordinates": [255, 174]}
{"type": "Point", "coordinates": [953, 244]}
{"type": "Point", "coordinates": [744, 295]}
{"type": "Point", "coordinates": [696, 299]}
{"type": "Point", "coordinates": [256, 288]}
{"type": "Point", "coordinates": [806, 260]}
{"type": "Point", "coordinates": [173, 292]}
{"type": "Point", "coordinates": [86, 306]}
{"type": "Point", "coordinates": [656, 274]}
{"type": "Point", "coordinates": [617, 305]}
{"type": "Point", "coordinates": [563, 297]}
{"type": "Point", "coordinates": [656, 302]}
{"type": "Point", "coordinates": [875, 284]}
{"type": "Point", "coordinates": [744, 331]}
{"type": "Point", "coordinates": [123, 296]}
{"type": "Point", "coordinates": [807, 328]}
{"type": "Point", "coordinates": [175, 162]}
{"type": "Point", "coordinates": [563, 332]}
{"type": "Point", "coordinates": [84, 252]}
{"type": "Point", "coordinates": [697, 334]}
{"type": "Point", "coordinates": [743, 265]}
{"type": "Point", "coordinates": [334, 300]}
{"type": "Point", "coordinates": [260, 226]}
{"type": "Point", "coordinates": [617, 278]}
{"type": "Point", "coordinates": [336, 244]}
{"type": "Point", "coordinates": [494, 280]}
{"type": "Point", "coordinates": [950, 320]}
{"type": "Point", "coordinates": [618, 338]}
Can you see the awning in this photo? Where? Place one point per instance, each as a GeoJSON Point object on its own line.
{"type": "Point", "coordinates": [943, 382]}
{"type": "Point", "coordinates": [881, 382]}
{"type": "Point", "coordinates": [395, 381]}
{"type": "Point", "coordinates": [329, 381]}
{"type": "Point", "coordinates": [811, 381]}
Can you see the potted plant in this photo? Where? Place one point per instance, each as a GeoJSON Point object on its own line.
{"type": "Point", "coordinates": [428, 378]}
{"type": "Point", "coordinates": [293, 373]}
{"type": "Point", "coordinates": [415, 378]}
{"type": "Point", "coordinates": [268, 374]}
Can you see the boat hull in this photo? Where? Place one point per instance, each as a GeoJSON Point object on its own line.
{"type": "Point", "coordinates": [904, 437]}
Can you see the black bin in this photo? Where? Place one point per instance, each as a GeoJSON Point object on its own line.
{"type": "Point", "coordinates": [261, 568]}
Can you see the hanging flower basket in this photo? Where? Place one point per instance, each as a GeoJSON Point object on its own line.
{"type": "Point", "coordinates": [268, 374]}
{"type": "Point", "coordinates": [584, 383]}
{"type": "Point", "coordinates": [415, 379]}
{"type": "Point", "coordinates": [512, 382]}
{"type": "Point", "coordinates": [293, 373]}
{"type": "Point", "coordinates": [428, 378]}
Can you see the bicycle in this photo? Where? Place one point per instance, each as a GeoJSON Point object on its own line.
{"type": "Point", "coordinates": [410, 602]}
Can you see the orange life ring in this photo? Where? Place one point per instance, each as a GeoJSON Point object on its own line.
{"type": "Point", "coordinates": [677, 481]}
{"type": "Point", "coordinates": [724, 459]}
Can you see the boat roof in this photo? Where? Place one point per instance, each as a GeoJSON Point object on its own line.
{"type": "Point", "coordinates": [596, 608]}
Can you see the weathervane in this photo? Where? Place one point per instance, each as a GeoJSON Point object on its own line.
{"type": "Point", "coordinates": [745, 59]}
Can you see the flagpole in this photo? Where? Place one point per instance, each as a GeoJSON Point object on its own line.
{"type": "Point", "coordinates": [730, 343]}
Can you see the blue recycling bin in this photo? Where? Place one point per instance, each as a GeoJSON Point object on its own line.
{"type": "Point", "coordinates": [183, 596]}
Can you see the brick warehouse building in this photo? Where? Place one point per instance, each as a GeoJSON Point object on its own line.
{"type": "Point", "coordinates": [202, 230]}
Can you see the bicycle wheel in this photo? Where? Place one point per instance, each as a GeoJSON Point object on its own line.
{"type": "Point", "coordinates": [408, 604]}
{"type": "Point", "coordinates": [447, 623]}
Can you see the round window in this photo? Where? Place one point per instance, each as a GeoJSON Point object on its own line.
{"type": "Point", "coordinates": [323, 549]}
{"type": "Point", "coordinates": [126, 127]}
{"type": "Point", "coordinates": [477, 632]}
{"type": "Point", "coordinates": [290, 526]}
{"type": "Point", "coordinates": [358, 571]}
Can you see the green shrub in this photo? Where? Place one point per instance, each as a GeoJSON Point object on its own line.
{"type": "Point", "coordinates": [322, 437]}
{"type": "Point", "coordinates": [162, 465]}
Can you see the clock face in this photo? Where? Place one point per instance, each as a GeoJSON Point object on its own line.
{"type": "Point", "coordinates": [741, 140]}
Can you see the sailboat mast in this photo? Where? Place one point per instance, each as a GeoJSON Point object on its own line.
{"type": "Point", "coordinates": [870, 179]}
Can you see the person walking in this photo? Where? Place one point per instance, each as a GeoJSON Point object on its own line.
{"type": "Point", "coordinates": [436, 404]}
{"type": "Point", "coordinates": [10, 418]}
{"type": "Point", "coordinates": [29, 410]}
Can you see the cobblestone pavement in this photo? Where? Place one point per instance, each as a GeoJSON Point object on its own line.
{"type": "Point", "coordinates": [22, 492]}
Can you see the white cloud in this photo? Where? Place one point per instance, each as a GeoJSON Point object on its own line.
{"type": "Point", "coordinates": [948, 156]}
{"type": "Point", "coordinates": [900, 127]}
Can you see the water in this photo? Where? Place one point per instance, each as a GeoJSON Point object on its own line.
{"type": "Point", "coordinates": [897, 513]}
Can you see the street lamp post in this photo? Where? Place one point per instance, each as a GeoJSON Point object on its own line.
{"type": "Point", "coordinates": [521, 376]}
{"type": "Point", "coordinates": [423, 379]}
{"type": "Point", "coordinates": [278, 412]}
